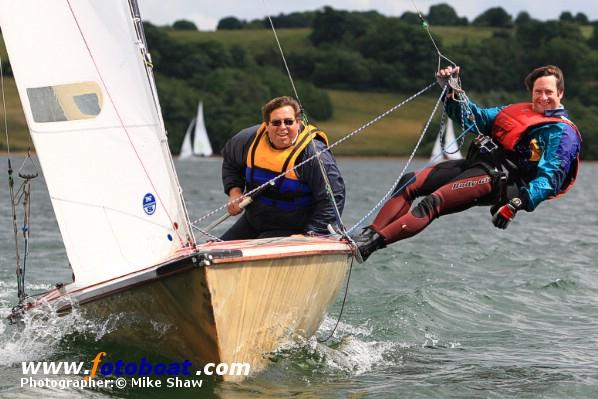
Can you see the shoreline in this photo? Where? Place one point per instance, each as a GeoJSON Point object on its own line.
{"type": "Point", "coordinates": [4, 153]}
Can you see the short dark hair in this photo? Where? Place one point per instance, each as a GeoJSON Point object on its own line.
{"type": "Point", "coordinates": [548, 70]}
{"type": "Point", "coordinates": [279, 102]}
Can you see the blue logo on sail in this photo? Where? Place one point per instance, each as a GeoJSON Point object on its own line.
{"type": "Point", "coordinates": [149, 203]}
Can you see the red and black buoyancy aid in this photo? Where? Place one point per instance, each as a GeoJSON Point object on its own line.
{"type": "Point", "coordinates": [513, 121]}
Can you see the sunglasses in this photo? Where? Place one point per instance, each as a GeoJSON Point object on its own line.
{"type": "Point", "coordinates": [278, 122]}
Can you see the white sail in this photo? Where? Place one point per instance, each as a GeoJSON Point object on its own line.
{"type": "Point", "coordinates": [187, 147]}
{"type": "Point", "coordinates": [196, 141]}
{"type": "Point", "coordinates": [451, 147]}
{"type": "Point", "coordinates": [92, 111]}
{"type": "Point", "coordinates": [201, 141]}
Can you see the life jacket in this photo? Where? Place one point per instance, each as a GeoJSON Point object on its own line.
{"type": "Point", "coordinates": [511, 124]}
{"type": "Point", "coordinates": [264, 162]}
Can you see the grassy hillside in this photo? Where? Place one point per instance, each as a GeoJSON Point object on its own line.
{"type": "Point", "coordinates": [394, 135]}
{"type": "Point", "coordinates": [250, 39]}
{"type": "Point", "coordinates": [296, 39]}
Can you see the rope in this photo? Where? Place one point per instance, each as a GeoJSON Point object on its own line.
{"type": "Point", "coordinates": [340, 313]}
{"type": "Point", "coordinates": [4, 110]}
{"type": "Point", "coordinates": [327, 186]}
{"type": "Point", "coordinates": [20, 271]}
{"type": "Point", "coordinates": [327, 148]}
{"type": "Point", "coordinates": [390, 191]}
{"type": "Point", "coordinates": [284, 60]}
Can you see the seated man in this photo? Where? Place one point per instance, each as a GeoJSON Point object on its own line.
{"type": "Point", "coordinates": [535, 157]}
{"type": "Point", "coordinates": [296, 203]}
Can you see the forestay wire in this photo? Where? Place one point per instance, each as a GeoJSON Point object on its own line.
{"type": "Point", "coordinates": [328, 186]}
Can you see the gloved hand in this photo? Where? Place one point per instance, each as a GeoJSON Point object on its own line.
{"type": "Point", "coordinates": [506, 213]}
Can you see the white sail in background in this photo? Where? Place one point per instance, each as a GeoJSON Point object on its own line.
{"type": "Point", "coordinates": [92, 111]}
{"type": "Point", "coordinates": [451, 147]}
{"type": "Point", "coordinates": [201, 142]}
{"type": "Point", "coordinates": [196, 141]}
{"type": "Point", "coordinates": [187, 146]}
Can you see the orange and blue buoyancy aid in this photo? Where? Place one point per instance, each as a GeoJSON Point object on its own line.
{"type": "Point", "coordinates": [264, 162]}
{"type": "Point", "coordinates": [513, 121]}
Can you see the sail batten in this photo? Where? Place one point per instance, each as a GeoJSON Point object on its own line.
{"type": "Point", "coordinates": [98, 134]}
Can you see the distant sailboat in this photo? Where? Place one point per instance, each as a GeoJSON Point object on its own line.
{"type": "Point", "coordinates": [451, 147]}
{"type": "Point", "coordinates": [196, 141]}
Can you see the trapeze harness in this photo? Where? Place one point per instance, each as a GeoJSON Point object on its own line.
{"type": "Point", "coordinates": [513, 121]}
{"type": "Point", "coordinates": [264, 162]}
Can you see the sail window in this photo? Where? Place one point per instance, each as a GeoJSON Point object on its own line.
{"type": "Point", "coordinates": [68, 102]}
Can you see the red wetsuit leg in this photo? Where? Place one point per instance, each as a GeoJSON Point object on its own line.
{"type": "Point", "coordinates": [456, 195]}
{"type": "Point", "coordinates": [414, 185]}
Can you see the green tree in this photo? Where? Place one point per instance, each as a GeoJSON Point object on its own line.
{"type": "Point", "coordinates": [523, 18]}
{"type": "Point", "coordinates": [581, 18]}
{"type": "Point", "coordinates": [443, 14]}
{"type": "Point", "coordinates": [183, 24]}
{"type": "Point", "coordinates": [410, 18]}
{"type": "Point", "coordinates": [292, 20]}
{"type": "Point", "coordinates": [593, 40]}
{"type": "Point", "coordinates": [404, 48]}
{"type": "Point", "coordinates": [333, 27]}
{"type": "Point", "coordinates": [229, 23]}
{"type": "Point", "coordinates": [496, 17]}
{"type": "Point", "coordinates": [566, 16]}
{"type": "Point", "coordinates": [178, 101]}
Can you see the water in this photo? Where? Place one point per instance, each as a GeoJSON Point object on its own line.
{"type": "Point", "coordinates": [461, 311]}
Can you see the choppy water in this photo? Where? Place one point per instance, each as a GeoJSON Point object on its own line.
{"type": "Point", "coordinates": [462, 311]}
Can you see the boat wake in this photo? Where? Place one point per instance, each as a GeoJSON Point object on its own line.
{"type": "Point", "coordinates": [348, 351]}
{"type": "Point", "coordinates": [40, 334]}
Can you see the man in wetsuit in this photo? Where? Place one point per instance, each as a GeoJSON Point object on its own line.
{"type": "Point", "coordinates": [526, 153]}
{"type": "Point", "coordinates": [297, 203]}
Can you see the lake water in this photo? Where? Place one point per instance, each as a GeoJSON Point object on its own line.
{"type": "Point", "coordinates": [463, 310]}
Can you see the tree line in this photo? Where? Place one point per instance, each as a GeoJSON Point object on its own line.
{"type": "Point", "coordinates": [369, 51]}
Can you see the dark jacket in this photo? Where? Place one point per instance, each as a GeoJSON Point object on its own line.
{"type": "Point", "coordinates": [263, 217]}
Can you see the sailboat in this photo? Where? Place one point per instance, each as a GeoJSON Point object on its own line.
{"type": "Point", "coordinates": [196, 141]}
{"type": "Point", "coordinates": [451, 146]}
{"type": "Point", "coordinates": [94, 117]}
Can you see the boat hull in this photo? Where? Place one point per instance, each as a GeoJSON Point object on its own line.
{"type": "Point", "coordinates": [238, 307]}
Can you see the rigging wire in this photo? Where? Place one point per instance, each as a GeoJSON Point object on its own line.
{"type": "Point", "coordinates": [327, 148]}
{"type": "Point", "coordinates": [455, 85]}
{"type": "Point", "coordinates": [22, 195]}
{"type": "Point", "coordinates": [392, 189]}
{"type": "Point", "coordinates": [340, 313]}
{"type": "Point", "coordinates": [327, 185]}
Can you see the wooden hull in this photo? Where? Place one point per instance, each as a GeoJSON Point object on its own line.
{"type": "Point", "coordinates": [237, 309]}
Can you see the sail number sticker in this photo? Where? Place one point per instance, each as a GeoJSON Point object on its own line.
{"type": "Point", "coordinates": [149, 203]}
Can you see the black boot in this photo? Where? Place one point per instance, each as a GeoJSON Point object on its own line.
{"type": "Point", "coordinates": [367, 242]}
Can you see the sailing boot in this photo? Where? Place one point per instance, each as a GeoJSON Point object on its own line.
{"type": "Point", "coordinates": [367, 242]}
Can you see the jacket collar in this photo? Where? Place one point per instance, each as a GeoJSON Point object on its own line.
{"type": "Point", "coordinates": [556, 113]}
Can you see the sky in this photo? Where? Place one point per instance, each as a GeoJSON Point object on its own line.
{"type": "Point", "coordinates": [206, 13]}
